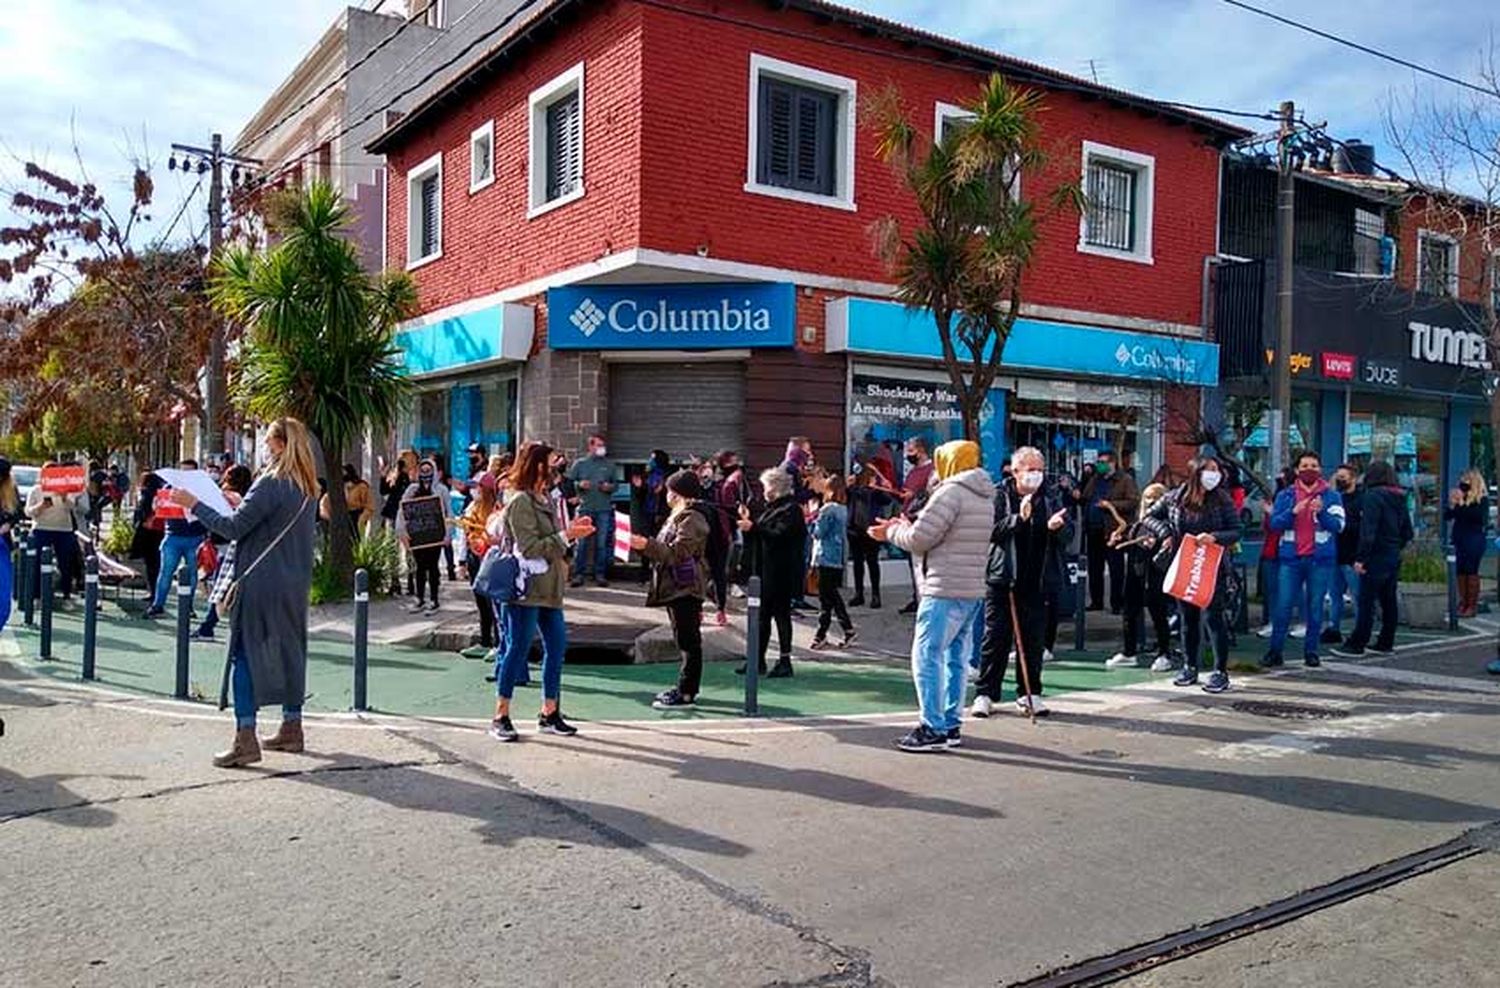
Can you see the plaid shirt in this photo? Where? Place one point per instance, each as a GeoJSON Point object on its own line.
{"type": "Point", "coordinates": [224, 576]}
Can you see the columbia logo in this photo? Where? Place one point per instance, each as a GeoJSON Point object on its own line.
{"type": "Point", "coordinates": [1122, 354]}
{"type": "Point", "coordinates": [588, 317]}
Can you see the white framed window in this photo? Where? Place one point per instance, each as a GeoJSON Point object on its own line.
{"type": "Point", "coordinates": [948, 118]}
{"type": "Point", "coordinates": [556, 142]}
{"type": "Point", "coordinates": [424, 212]}
{"type": "Point", "coordinates": [1437, 264]}
{"type": "Point", "coordinates": [1119, 188]}
{"type": "Point", "coordinates": [802, 130]}
{"type": "Point", "coordinates": [482, 156]}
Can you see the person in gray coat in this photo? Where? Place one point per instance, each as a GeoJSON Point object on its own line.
{"type": "Point", "coordinates": [273, 529]}
{"type": "Point", "coordinates": [950, 542]}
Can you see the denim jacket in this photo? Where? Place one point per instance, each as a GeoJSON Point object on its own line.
{"type": "Point", "coordinates": [830, 535]}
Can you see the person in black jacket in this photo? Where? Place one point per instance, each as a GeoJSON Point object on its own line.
{"type": "Point", "coordinates": [869, 501]}
{"type": "Point", "coordinates": [1143, 593]}
{"type": "Point", "coordinates": [1033, 526]}
{"type": "Point", "coordinates": [1345, 579]}
{"type": "Point", "coordinates": [1200, 509]}
{"type": "Point", "coordinates": [781, 531]}
{"type": "Point", "coordinates": [1469, 511]}
{"type": "Point", "coordinates": [1385, 529]}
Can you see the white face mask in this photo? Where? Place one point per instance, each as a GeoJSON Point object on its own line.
{"type": "Point", "coordinates": [1031, 480]}
{"type": "Point", "coordinates": [600, 450]}
{"type": "Point", "coordinates": [1210, 479]}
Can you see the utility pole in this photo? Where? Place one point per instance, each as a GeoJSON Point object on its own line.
{"type": "Point", "coordinates": [214, 436]}
{"type": "Point", "coordinates": [1279, 434]}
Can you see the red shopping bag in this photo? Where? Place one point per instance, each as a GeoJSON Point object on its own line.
{"type": "Point", "coordinates": [1194, 574]}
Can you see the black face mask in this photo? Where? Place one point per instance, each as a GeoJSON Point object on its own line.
{"type": "Point", "coordinates": [1464, 487]}
{"type": "Point", "coordinates": [424, 479]}
{"type": "Point", "coordinates": [913, 459]}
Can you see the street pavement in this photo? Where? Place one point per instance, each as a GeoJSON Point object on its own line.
{"type": "Point", "coordinates": [795, 850]}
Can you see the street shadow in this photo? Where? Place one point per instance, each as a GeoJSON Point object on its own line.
{"type": "Point", "coordinates": [765, 776]}
{"type": "Point", "coordinates": [46, 798]}
{"type": "Point", "coordinates": [506, 814]}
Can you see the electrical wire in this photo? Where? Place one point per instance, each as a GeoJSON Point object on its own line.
{"type": "Point", "coordinates": [420, 52]}
{"type": "Point", "coordinates": [181, 210]}
{"type": "Point", "coordinates": [1362, 48]}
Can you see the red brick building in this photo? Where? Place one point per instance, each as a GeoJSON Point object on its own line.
{"type": "Point", "coordinates": [591, 202]}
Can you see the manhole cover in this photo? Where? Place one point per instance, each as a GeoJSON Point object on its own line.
{"type": "Point", "coordinates": [1288, 711]}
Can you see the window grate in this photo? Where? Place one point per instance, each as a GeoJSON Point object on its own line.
{"type": "Point", "coordinates": [564, 147]}
{"type": "Point", "coordinates": [799, 141]}
{"type": "Point", "coordinates": [1437, 267]}
{"type": "Point", "coordinates": [1110, 218]}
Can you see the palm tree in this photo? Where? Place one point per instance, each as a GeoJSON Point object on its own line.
{"type": "Point", "coordinates": [319, 342]}
{"type": "Point", "coordinates": [965, 260]}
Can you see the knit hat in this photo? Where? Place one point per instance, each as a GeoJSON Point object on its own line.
{"type": "Point", "coordinates": [685, 484]}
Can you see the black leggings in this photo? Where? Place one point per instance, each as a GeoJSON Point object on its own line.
{"type": "Point", "coordinates": [1143, 597]}
{"type": "Point", "coordinates": [831, 601]}
{"type": "Point", "coordinates": [779, 610]}
{"type": "Point", "coordinates": [1192, 635]}
{"type": "Point", "coordinates": [718, 571]}
{"type": "Point", "coordinates": [866, 553]}
{"type": "Point", "coordinates": [427, 570]}
{"type": "Point", "coordinates": [687, 630]}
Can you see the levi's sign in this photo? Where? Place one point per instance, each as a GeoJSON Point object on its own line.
{"type": "Point", "coordinates": [730, 315]}
{"type": "Point", "coordinates": [1338, 366]}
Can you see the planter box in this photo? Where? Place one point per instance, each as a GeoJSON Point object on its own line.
{"type": "Point", "coordinates": [1423, 605]}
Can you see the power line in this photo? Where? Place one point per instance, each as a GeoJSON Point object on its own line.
{"type": "Point", "coordinates": [1362, 48]}
{"type": "Point", "coordinates": [182, 209]}
{"type": "Point", "coordinates": [420, 52]}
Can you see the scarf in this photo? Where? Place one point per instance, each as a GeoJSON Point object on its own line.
{"type": "Point", "coordinates": [1307, 521]}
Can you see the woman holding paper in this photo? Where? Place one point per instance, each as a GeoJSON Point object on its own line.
{"type": "Point", "coordinates": [1200, 510]}
{"type": "Point", "coordinates": [273, 532]}
{"type": "Point", "coordinates": [10, 516]}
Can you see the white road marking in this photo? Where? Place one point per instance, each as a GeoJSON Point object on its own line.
{"type": "Point", "coordinates": [1314, 737]}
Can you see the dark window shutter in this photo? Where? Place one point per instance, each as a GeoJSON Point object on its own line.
{"type": "Point", "coordinates": [564, 147]}
{"type": "Point", "coordinates": [798, 138]}
{"type": "Point", "coordinates": [776, 110]}
{"type": "Point", "coordinates": [429, 197]}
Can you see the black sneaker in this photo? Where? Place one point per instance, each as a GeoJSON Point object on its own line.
{"type": "Point", "coordinates": [1330, 636]}
{"type": "Point", "coordinates": [576, 582]}
{"type": "Point", "coordinates": [781, 670]}
{"type": "Point", "coordinates": [1311, 661]}
{"type": "Point", "coordinates": [672, 699]}
{"type": "Point", "coordinates": [1383, 649]}
{"type": "Point", "coordinates": [1348, 651]}
{"type": "Point", "coordinates": [1271, 660]}
{"type": "Point", "coordinates": [1187, 677]}
{"type": "Point", "coordinates": [501, 729]}
{"type": "Point", "coordinates": [955, 738]}
{"type": "Point", "coordinates": [154, 612]}
{"type": "Point", "coordinates": [910, 607]}
{"type": "Point", "coordinates": [1218, 682]}
{"type": "Point", "coordinates": [818, 645]}
{"type": "Point", "coordinates": [857, 602]}
{"type": "Point", "coordinates": [875, 602]}
{"type": "Point", "coordinates": [849, 637]}
{"type": "Point", "coordinates": [553, 723]}
{"type": "Point", "coordinates": [602, 583]}
{"type": "Point", "coordinates": [923, 738]}
{"type": "Point", "coordinates": [739, 670]}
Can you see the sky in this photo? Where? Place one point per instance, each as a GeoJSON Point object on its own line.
{"type": "Point", "coordinates": [124, 78]}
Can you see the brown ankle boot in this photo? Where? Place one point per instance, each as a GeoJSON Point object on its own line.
{"type": "Point", "coordinates": [244, 751]}
{"type": "Point", "coordinates": [1471, 596]}
{"type": "Point", "coordinates": [288, 737]}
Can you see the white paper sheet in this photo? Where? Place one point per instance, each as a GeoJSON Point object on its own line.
{"type": "Point", "coordinates": [201, 485]}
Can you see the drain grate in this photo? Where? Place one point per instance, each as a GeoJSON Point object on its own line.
{"type": "Point", "coordinates": [1288, 711]}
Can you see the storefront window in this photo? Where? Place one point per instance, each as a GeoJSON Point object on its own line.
{"type": "Point", "coordinates": [1071, 436]}
{"type": "Point", "coordinates": [1413, 444]}
{"type": "Point", "coordinates": [444, 421]}
{"type": "Point", "coordinates": [884, 412]}
{"type": "Point", "coordinates": [1304, 435]}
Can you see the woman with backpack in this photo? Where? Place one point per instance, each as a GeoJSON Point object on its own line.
{"type": "Point", "coordinates": [679, 580]}
{"type": "Point", "coordinates": [1201, 510]}
{"type": "Point", "coordinates": [830, 535]}
{"type": "Point", "coordinates": [1144, 565]}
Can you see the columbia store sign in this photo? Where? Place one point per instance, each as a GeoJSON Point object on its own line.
{"type": "Point", "coordinates": [730, 315]}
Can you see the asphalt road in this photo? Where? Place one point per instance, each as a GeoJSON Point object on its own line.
{"type": "Point", "coordinates": [805, 852]}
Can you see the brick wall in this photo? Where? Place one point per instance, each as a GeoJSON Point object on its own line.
{"type": "Point", "coordinates": [1473, 253]}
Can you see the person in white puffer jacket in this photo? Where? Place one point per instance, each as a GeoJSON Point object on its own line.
{"type": "Point", "coordinates": [950, 541]}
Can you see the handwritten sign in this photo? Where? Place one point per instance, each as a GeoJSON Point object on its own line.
{"type": "Point", "coordinates": [426, 525]}
{"type": "Point", "coordinates": [58, 478]}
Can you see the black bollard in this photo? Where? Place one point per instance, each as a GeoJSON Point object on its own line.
{"type": "Point", "coordinates": [1452, 560]}
{"type": "Point", "coordinates": [752, 647]}
{"type": "Point", "coordinates": [1080, 602]}
{"type": "Point", "coordinates": [184, 627]}
{"type": "Point", "coordinates": [29, 575]}
{"type": "Point", "coordinates": [90, 613]}
{"type": "Point", "coordinates": [45, 652]}
{"type": "Point", "coordinates": [361, 639]}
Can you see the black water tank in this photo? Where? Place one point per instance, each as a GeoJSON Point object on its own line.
{"type": "Point", "coordinates": [1354, 158]}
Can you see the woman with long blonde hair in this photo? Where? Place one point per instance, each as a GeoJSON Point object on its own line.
{"type": "Point", "coordinates": [10, 516]}
{"type": "Point", "coordinates": [274, 528]}
{"type": "Point", "coordinates": [1469, 511]}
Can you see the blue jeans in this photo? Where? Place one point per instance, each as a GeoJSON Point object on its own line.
{"type": "Point", "coordinates": [1306, 581]}
{"type": "Point", "coordinates": [7, 580]}
{"type": "Point", "coordinates": [244, 692]}
{"type": "Point", "coordinates": [175, 550]}
{"type": "Point", "coordinates": [519, 626]}
{"type": "Point", "coordinates": [596, 551]}
{"type": "Point", "coordinates": [941, 647]}
{"type": "Point", "coordinates": [1344, 579]}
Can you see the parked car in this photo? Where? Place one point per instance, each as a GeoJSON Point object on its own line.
{"type": "Point", "coordinates": [26, 478]}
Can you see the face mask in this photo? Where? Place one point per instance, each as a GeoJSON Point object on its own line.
{"type": "Point", "coordinates": [425, 479]}
{"type": "Point", "coordinates": [1309, 477]}
{"type": "Point", "coordinates": [1210, 479]}
{"type": "Point", "coordinates": [912, 458]}
{"type": "Point", "coordinates": [1031, 480]}
{"type": "Point", "coordinates": [1464, 487]}
{"type": "Point", "coordinates": [599, 450]}
{"type": "Point", "coordinates": [1104, 468]}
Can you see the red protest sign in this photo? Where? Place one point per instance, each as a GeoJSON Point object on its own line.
{"type": "Point", "coordinates": [1194, 574]}
{"type": "Point", "coordinates": [59, 479]}
{"type": "Point", "coordinates": [163, 508]}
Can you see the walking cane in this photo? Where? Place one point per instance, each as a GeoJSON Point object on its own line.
{"type": "Point", "coordinates": [1021, 673]}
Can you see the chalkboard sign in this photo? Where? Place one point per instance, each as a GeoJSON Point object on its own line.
{"type": "Point", "coordinates": [425, 524]}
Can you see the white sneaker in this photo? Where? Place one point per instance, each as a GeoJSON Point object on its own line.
{"type": "Point", "coordinates": [1162, 664]}
{"type": "Point", "coordinates": [1032, 705]}
{"type": "Point", "coordinates": [1264, 631]}
{"type": "Point", "coordinates": [1047, 655]}
{"type": "Point", "coordinates": [1121, 661]}
{"type": "Point", "coordinates": [1012, 656]}
{"type": "Point", "coordinates": [1298, 631]}
{"type": "Point", "coordinates": [737, 592]}
{"type": "Point", "coordinates": [983, 706]}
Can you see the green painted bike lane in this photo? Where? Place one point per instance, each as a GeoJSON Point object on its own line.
{"type": "Point", "coordinates": [139, 656]}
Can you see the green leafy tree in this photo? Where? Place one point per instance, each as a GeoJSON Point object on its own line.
{"type": "Point", "coordinates": [319, 341]}
{"type": "Point", "coordinates": [965, 258]}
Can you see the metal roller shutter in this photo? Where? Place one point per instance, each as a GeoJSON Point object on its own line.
{"type": "Point", "coordinates": [687, 409]}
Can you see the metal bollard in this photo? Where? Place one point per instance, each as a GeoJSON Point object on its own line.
{"type": "Point", "coordinates": [1452, 560]}
{"type": "Point", "coordinates": [29, 574]}
{"type": "Point", "coordinates": [361, 639]}
{"type": "Point", "coordinates": [184, 628]}
{"type": "Point", "coordinates": [1080, 603]}
{"type": "Point", "coordinates": [752, 647]}
{"type": "Point", "coordinates": [45, 652]}
{"type": "Point", "coordinates": [90, 613]}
